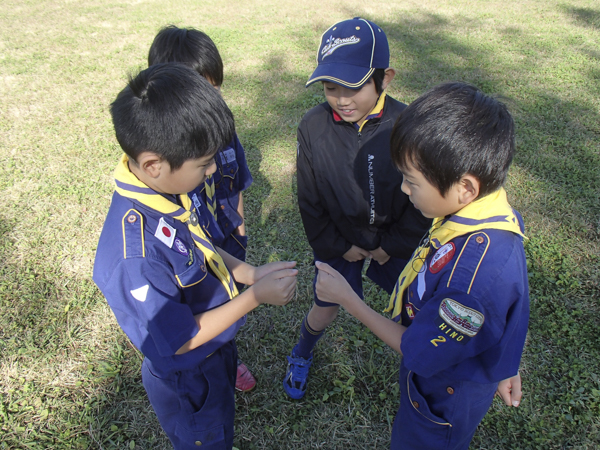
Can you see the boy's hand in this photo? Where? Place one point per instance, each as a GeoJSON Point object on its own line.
{"type": "Point", "coordinates": [266, 269]}
{"type": "Point", "coordinates": [380, 255]}
{"type": "Point", "coordinates": [331, 286]}
{"type": "Point", "coordinates": [509, 390]}
{"type": "Point", "coordinates": [277, 287]}
{"type": "Point", "coordinates": [356, 254]}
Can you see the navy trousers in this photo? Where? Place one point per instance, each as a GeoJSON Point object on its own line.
{"type": "Point", "coordinates": [438, 414]}
{"type": "Point", "coordinates": [196, 408]}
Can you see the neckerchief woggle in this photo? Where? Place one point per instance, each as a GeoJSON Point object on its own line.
{"type": "Point", "coordinates": [490, 212]}
{"type": "Point", "coordinates": [128, 185]}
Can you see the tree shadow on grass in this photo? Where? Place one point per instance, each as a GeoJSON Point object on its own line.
{"type": "Point", "coordinates": [586, 16]}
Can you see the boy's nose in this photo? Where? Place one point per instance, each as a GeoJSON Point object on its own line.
{"type": "Point", "coordinates": [211, 169]}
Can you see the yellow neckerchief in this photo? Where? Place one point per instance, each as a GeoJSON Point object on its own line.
{"type": "Point", "coordinates": [375, 111]}
{"type": "Point", "coordinates": [211, 199]}
{"type": "Point", "coordinates": [490, 212]}
{"type": "Point", "coordinates": [128, 185]}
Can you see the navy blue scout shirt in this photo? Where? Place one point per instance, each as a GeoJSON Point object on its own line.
{"type": "Point", "coordinates": [467, 311]}
{"type": "Point", "coordinates": [155, 280]}
{"type": "Point", "coordinates": [231, 178]}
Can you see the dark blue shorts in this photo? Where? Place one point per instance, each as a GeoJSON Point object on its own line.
{"type": "Point", "coordinates": [438, 414]}
{"type": "Point", "coordinates": [196, 408]}
{"type": "Point", "coordinates": [385, 276]}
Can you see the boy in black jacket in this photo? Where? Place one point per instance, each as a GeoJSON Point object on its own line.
{"type": "Point", "coordinates": [349, 191]}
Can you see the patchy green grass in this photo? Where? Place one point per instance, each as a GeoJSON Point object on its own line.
{"type": "Point", "coordinates": [68, 376]}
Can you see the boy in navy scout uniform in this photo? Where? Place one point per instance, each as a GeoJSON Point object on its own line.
{"type": "Point", "coordinates": [349, 192]}
{"type": "Point", "coordinates": [172, 291]}
{"type": "Point", "coordinates": [222, 191]}
{"type": "Point", "coordinates": [461, 305]}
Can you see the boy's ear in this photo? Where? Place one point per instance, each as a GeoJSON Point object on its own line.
{"type": "Point", "coordinates": [150, 164]}
{"type": "Point", "coordinates": [388, 77]}
{"type": "Point", "coordinates": [468, 189]}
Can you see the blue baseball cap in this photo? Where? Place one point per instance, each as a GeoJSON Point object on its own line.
{"type": "Point", "coordinates": [349, 53]}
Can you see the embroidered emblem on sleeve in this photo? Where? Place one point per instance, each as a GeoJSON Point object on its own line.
{"type": "Point", "coordinates": [442, 257]}
{"type": "Point", "coordinates": [458, 322]}
{"type": "Point", "coordinates": [165, 233]}
{"type": "Point", "coordinates": [140, 294]}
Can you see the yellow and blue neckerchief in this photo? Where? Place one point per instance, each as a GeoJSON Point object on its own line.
{"type": "Point", "coordinates": [490, 212]}
{"type": "Point", "coordinates": [211, 198]}
{"type": "Point", "coordinates": [128, 185]}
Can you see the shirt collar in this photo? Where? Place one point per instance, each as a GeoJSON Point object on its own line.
{"type": "Point", "coordinates": [375, 113]}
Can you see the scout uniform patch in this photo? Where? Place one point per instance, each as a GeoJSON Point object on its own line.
{"type": "Point", "coordinates": [457, 321]}
{"type": "Point", "coordinates": [165, 233]}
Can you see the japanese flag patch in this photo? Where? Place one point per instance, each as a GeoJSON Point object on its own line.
{"type": "Point", "coordinates": [442, 257]}
{"type": "Point", "coordinates": [165, 233]}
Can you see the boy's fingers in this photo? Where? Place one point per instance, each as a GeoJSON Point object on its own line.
{"type": "Point", "coordinates": [516, 393]}
{"type": "Point", "coordinates": [325, 268]}
{"type": "Point", "coordinates": [284, 273]}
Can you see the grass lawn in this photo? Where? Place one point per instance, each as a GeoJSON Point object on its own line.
{"type": "Point", "coordinates": [68, 376]}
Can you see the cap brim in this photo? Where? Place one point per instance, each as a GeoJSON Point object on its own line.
{"type": "Point", "coordinates": [347, 75]}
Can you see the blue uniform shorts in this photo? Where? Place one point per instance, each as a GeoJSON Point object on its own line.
{"type": "Point", "coordinates": [436, 413]}
{"type": "Point", "coordinates": [385, 276]}
{"type": "Point", "coordinates": [196, 407]}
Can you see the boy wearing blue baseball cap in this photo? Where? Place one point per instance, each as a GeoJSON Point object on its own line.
{"type": "Point", "coordinates": [349, 191]}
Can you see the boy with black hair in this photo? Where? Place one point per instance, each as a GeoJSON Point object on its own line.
{"type": "Point", "coordinates": [172, 291]}
{"type": "Point", "coordinates": [349, 194]}
{"type": "Point", "coordinates": [460, 307]}
{"type": "Point", "coordinates": [222, 191]}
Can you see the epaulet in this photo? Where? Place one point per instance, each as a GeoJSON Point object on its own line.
{"type": "Point", "coordinates": [468, 261]}
{"type": "Point", "coordinates": [133, 235]}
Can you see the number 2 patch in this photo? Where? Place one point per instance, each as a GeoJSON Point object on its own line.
{"type": "Point", "coordinates": [458, 322]}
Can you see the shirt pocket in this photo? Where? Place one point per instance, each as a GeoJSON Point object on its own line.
{"type": "Point", "coordinates": [194, 274]}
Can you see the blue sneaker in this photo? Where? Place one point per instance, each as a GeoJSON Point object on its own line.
{"type": "Point", "coordinates": [294, 383]}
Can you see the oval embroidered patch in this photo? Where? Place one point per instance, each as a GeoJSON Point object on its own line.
{"type": "Point", "coordinates": [442, 257]}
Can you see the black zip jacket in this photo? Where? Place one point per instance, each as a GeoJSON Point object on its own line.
{"type": "Point", "coordinates": [349, 189]}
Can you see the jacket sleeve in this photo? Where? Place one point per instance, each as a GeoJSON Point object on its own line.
{"type": "Point", "coordinates": [323, 236]}
{"type": "Point", "coordinates": [405, 232]}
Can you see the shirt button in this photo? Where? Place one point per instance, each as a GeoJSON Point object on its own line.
{"type": "Point", "coordinates": [479, 239]}
{"type": "Point", "coordinates": [416, 404]}
{"type": "Point", "coordinates": [450, 390]}
{"type": "Point", "coordinates": [131, 218]}
{"type": "Point", "coordinates": [411, 294]}
{"type": "Point", "coordinates": [231, 171]}
{"type": "Point", "coordinates": [222, 206]}
{"type": "Point", "coordinates": [198, 443]}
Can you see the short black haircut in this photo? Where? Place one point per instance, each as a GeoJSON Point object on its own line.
{"type": "Point", "coordinates": [378, 76]}
{"type": "Point", "coordinates": [170, 110]}
{"type": "Point", "coordinates": [188, 46]}
{"type": "Point", "coordinates": [453, 130]}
